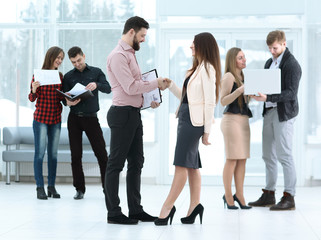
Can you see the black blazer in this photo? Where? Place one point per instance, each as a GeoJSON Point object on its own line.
{"type": "Point", "coordinates": [287, 100]}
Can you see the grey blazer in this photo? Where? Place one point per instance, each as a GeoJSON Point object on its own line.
{"type": "Point", "coordinates": [287, 100]}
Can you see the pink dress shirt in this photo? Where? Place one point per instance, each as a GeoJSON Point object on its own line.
{"type": "Point", "coordinates": [125, 77]}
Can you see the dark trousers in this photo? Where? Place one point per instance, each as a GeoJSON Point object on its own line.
{"type": "Point", "coordinates": [126, 142]}
{"type": "Point", "coordinates": [90, 125]}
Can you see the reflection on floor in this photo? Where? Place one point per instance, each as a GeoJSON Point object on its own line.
{"type": "Point", "coordinates": [25, 217]}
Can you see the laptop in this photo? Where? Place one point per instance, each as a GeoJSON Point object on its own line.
{"type": "Point", "coordinates": [266, 81]}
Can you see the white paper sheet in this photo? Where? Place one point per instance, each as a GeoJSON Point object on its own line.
{"type": "Point", "coordinates": [77, 89]}
{"type": "Point", "coordinates": [266, 81]}
{"type": "Point", "coordinates": [47, 77]}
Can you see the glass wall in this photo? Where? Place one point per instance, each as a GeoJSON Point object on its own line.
{"type": "Point", "coordinates": [28, 28]}
{"type": "Point", "coordinates": [95, 11]}
{"type": "Point", "coordinates": [20, 52]}
{"type": "Point", "coordinates": [314, 86]}
{"type": "Point", "coordinates": [29, 11]}
{"type": "Point", "coordinates": [95, 26]}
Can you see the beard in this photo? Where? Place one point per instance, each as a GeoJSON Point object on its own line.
{"type": "Point", "coordinates": [136, 45]}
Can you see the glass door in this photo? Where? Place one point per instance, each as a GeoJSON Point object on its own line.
{"type": "Point", "coordinates": [256, 53]}
{"type": "Point", "coordinates": [179, 60]}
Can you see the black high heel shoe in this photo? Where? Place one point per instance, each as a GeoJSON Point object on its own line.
{"type": "Point", "coordinates": [199, 209]}
{"type": "Point", "coordinates": [53, 192]}
{"type": "Point", "coordinates": [239, 202]}
{"type": "Point", "coordinates": [233, 207]}
{"type": "Point", "coordinates": [164, 221]}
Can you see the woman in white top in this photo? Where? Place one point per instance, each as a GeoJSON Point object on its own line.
{"type": "Point", "coordinates": [196, 114]}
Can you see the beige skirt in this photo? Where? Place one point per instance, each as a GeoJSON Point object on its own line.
{"type": "Point", "coordinates": [236, 132]}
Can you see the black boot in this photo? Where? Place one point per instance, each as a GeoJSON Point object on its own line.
{"type": "Point", "coordinates": [286, 203]}
{"type": "Point", "coordinates": [53, 192]}
{"type": "Point", "coordinates": [41, 194]}
{"type": "Point", "coordinates": [267, 199]}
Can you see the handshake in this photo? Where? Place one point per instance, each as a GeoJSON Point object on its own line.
{"type": "Point", "coordinates": [163, 83]}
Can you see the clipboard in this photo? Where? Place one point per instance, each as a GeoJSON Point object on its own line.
{"type": "Point", "coordinates": [154, 95]}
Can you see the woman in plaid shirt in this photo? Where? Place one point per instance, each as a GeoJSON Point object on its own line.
{"type": "Point", "coordinates": [47, 123]}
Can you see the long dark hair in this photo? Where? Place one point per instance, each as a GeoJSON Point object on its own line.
{"type": "Point", "coordinates": [51, 56]}
{"type": "Point", "coordinates": [207, 51]}
{"type": "Point", "coordinates": [230, 66]}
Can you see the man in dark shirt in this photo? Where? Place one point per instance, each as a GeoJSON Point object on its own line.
{"type": "Point", "coordinates": [279, 112]}
{"type": "Point", "coordinates": [83, 117]}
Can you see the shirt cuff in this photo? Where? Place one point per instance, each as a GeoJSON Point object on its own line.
{"type": "Point", "coordinates": [154, 83]}
{"type": "Point", "coordinates": [268, 98]}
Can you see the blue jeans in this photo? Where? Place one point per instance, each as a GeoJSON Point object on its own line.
{"type": "Point", "coordinates": [44, 133]}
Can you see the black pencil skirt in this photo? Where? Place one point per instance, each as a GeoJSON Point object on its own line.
{"type": "Point", "coordinates": [188, 136]}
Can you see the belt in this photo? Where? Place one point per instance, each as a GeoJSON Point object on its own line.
{"type": "Point", "coordinates": [269, 108]}
{"type": "Point", "coordinates": [129, 108]}
{"type": "Point", "coordinates": [82, 114]}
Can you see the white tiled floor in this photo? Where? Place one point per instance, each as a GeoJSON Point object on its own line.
{"type": "Point", "coordinates": [25, 217]}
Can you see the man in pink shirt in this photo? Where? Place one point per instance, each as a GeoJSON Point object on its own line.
{"type": "Point", "coordinates": [124, 120]}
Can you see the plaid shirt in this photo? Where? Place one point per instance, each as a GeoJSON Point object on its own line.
{"type": "Point", "coordinates": [48, 106]}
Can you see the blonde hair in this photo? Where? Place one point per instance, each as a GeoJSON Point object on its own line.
{"type": "Point", "coordinates": [230, 66]}
{"type": "Point", "coordinates": [276, 35]}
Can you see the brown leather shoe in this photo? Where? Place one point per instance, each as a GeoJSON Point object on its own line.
{"type": "Point", "coordinates": [286, 203]}
{"type": "Point", "coordinates": [267, 199]}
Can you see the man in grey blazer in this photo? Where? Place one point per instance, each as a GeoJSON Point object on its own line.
{"type": "Point", "coordinates": [280, 111]}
